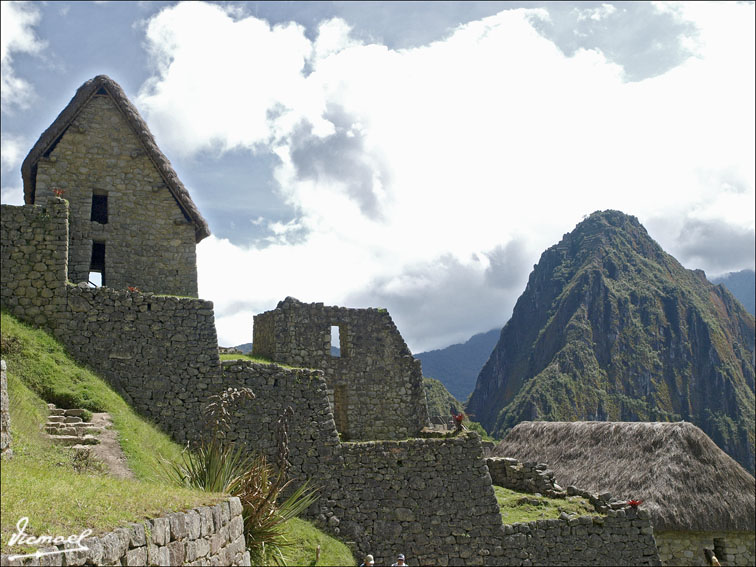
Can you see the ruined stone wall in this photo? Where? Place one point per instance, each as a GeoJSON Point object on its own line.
{"type": "Point", "coordinates": [687, 548]}
{"type": "Point", "coordinates": [313, 441]}
{"type": "Point", "coordinates": [149, 243]}
{"type": "Point", "coordinates": [430, 499]}
{"type": "Point", "coordinates": [207, 535]}
{"type": "Point", "coordinates": [161, 352]}
{"type": "Point", "coordinates": [6, 451]}
{"type": "Point", "coordinates": [34, 252]}
{"type": "Point", "coordinates": [522, 477]}
{"type": "Point", "coordinates": [624, 537]}
{"type": "Point", "coordinates": [375, 384]}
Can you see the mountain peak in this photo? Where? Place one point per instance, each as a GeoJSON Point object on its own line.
{"type": "Point", "coordinates": [610, 327]}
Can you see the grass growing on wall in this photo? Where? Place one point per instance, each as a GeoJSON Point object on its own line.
{"type": "Point", "coordinates": [59, 493]}
{"type": "Point", "coordinates": [64, 495]}
{"type": "Point", "coordinates": [259, 359]}
{"type": "Point", "coordinates": [42, 365]}
{"type": "Point", "coordinates": [308, 538]}
{"type": "Point", "coordinates": [523, 507]}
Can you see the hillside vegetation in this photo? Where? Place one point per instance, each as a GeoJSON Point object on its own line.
{"type": "Point", "coordinates": [62, 493]}
{"type": "Point", "coordinates": [612, 328]}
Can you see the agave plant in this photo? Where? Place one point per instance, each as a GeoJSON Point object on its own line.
{"type": "Point", "coordinates": [217, 465]}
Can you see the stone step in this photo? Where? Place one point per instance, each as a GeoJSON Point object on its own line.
{"type": "Point", "coordinates": [72, 419]}
{"type": "Point", "coordinates": [75, 412]}
{"type": "Point", "coordinates": [75, 439]}
{"type": "Point", "coordinates": [72, 429]}
{"type": "Point", "coordinates": [55, 419]}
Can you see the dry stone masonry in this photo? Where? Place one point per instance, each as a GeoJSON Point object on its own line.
{"type": "Point", "coordinates": [390, 491]}
{"type": "Point", "coordinates": [523, 477]}
{"type": "Point", "coordinates": [131, 220]}
{"type": "Point", "coordinates": [730, 548]}
{"type": "Point", "coordinates": [207, 535]}
{"type": "Point", "coordinates": [6, 452]}
{"type": "Point", "coordinates": [375, 384]}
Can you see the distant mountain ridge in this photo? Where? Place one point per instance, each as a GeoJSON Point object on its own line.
{"type": "Point", "coordinates": [742, 285]}
{"type": "Point", "coordinates": [610, 327]}
{"type": "Point", "coordinates": [457, 366]}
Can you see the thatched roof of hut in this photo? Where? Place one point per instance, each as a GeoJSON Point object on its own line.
{"type": "Point", "coordinates": [684, 479]}
{"type": "Point", "coordinates": [103, 84]}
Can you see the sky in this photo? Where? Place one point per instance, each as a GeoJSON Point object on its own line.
{"type": "Point", "coordinates": [414, 156]}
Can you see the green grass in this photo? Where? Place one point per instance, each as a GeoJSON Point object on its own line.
{"type": "Point", "coordinates": [514, 507]}
{"type": "Point", "coordinates": [253, 358]}
{"type": "Point", "coordinates": [306, 538]}
{"type": "Point", "coordinates": [62, 495]}
{"type": "Point", "coordinates": [41, 363]}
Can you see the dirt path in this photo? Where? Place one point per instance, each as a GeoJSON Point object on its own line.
{"type": "Point", "coordinates": [108, 450]}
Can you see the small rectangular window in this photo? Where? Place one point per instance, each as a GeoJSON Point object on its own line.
{"type": "Point", "coordinates": [335, 342]}
{"type": "Point", "coordinates": [97, 265]}
{"type": "Point", "coordinates": [99, 208]}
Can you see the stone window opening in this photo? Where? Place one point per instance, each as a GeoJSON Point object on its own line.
{"type": "Point", "coordinates": [97, 265]}
{"type": "Point", "coordinates": [338, 347]}
{"type": "Point", "coordinates": [717, 552]}
{"type": "Point", "coordinates": [99, 207]}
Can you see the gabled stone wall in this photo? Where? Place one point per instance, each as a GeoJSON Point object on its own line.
{"type": "Point", "coordinates": [149, 241]}
{"type": "Point", "coordinates": [375, 384]}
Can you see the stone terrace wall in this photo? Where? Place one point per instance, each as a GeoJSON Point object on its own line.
{"type": "Point", "coordinates": [208, 535]}
{"type": "Point", "coordinates": [34, 252]}
{"type": "Point", "coordinates": [160, 351]}
{"type": "Point", "coordinates": [522, 477]}
{"type": "Point", "coordinates": [6, 452]}
{"type": "Point", "coordinates": [149, 243]}
{"type": "Point", "coordinates": [313, 441]}
{"type": "Point", "coordinates": [376, 384]}
{"type": "Point", "coordinates": [624, 537]}
{"type": "Point", "coordinates": [686, 548]}
{"type": "Point", "coordinates": [430, 499]}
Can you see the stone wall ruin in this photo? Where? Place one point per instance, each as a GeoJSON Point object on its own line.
{"type": "Point", "coordinates": [374, 384]}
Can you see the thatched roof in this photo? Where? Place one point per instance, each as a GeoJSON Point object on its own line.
{"type": "Point", "coordinates": [684, 479]}
{"type": "Point", "coordinates": [49, 137]}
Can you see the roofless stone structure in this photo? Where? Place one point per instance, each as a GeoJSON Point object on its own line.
{"type": "Point", "coordinates": [131, 219]}
{"type": "Point", "coordinates": [374, 384]}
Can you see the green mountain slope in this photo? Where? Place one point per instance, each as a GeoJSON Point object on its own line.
{"type": "Point", "coordinates": [457, 366]}
{"type": "Point", "coordinates": [610, 327]}
{"type": "Point", "coordinates": [440, 401]}
{"type": "Point", "coordinates": [742, 285]}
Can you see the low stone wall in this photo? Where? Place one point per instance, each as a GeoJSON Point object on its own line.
{"type": "Point", "coordinates": [430, 499]}
{"type": "Point", "coordinates": [208, 535]}
{"type": "Point", "coordinates": [687, 548]}
{"type": "Point", "coordinates": [523, 477]}
{"type": "Point", "coordinates": [5, 433]}
{"type": "Point", "coordinates": [623, 537]}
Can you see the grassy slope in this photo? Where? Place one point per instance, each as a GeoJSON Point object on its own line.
{"type": "Point", "coordinates": [62, 496]}
{"type": "Point", "coordinates": [520, 507]}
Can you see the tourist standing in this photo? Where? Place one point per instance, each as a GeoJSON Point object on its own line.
{"type": "Point", "coordinates": [399, 561]}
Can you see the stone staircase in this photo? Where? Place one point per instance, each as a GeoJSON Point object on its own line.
{"type": "Point", "coordinates": [66, 427]}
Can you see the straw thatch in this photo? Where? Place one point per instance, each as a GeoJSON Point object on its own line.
{"type": "Point", "coordinates": [684, 479]}
{"type": "Point", "coordinates": [86, 91]}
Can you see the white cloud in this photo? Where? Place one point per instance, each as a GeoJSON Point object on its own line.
{"type": "Point", "coordinates": [12, 152]}
{"type": "Point", "coordinates": [17, 21]}
{"type": "Point", "coordinates": [444, 153]}
{"type": "Point", "coordinates": [596, 14]}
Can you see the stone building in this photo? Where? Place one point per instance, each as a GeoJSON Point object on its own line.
{"type": "Point", "coordinates": [700, 500]}
{"type": "Point", "coordinates": [131, 219]}
{"type": "Point", "coordinates": [374, 383]}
